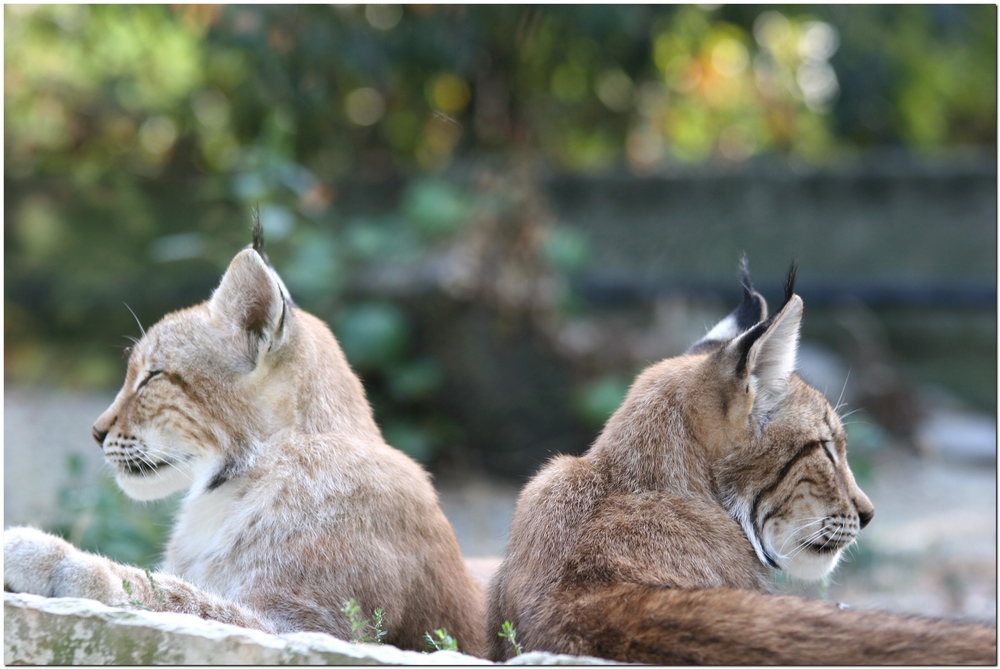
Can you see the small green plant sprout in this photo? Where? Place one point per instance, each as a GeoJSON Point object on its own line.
{"type": "Point", "coordinates": [378, 618]}
{"type": "Point", "coordinates": [127, 587]}
{"type": "Point", "coordinates": [156, 589]}
{"type": "Point", "coordinates": [364, 630]}
{"type": "Point", "coordinates": [508, 632]}
{"type": "Point", "coordinates": [441, 640]}
{"type": "Point", "coordinates": [132, 601]}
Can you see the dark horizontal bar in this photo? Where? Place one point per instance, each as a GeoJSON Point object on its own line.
{"type": "Point", "coordinates": [910, 292]}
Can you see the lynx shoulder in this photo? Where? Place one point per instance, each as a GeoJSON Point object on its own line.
{"type": "Point", "coordinates": [294, 502]}
{"type": "Point", "coordinates": [655, 545]}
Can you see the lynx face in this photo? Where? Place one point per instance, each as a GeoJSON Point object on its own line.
{"type": "Point", "coordinates": [155, 433]}
{"type": "Point", "coordinates": [192, 391]}
{"type": "Point", "coordinates": [782, 470]}
{"type": "Point", "coordinates": [792, 490]}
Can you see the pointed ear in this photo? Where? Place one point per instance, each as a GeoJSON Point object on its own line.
{"type": "Point", "coordinates": [752, 310]}
{"type": "Point", "coordinates": [767, 356]}
{"type": "Point", "coordinates": [250, 299]}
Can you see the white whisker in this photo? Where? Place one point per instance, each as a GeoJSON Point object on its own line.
{"type": "Point", "coordinates": [799, 528]}
{"type": "Point", "coordinates": [841, 398]}
{"type": "Point", "coordinates": [850, 413]}
{"type": "Point", "coordinates": [801, 542]}
{"type": "Point", "coordinates": [141, 329]}
{"type": "Point", "coordinates": [149, 455]}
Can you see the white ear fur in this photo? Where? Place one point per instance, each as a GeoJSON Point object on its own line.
{"type": "Point", "coordinates": [771, 358]}
{"type": "Point", "coordinates": [724, 330]}
{"type": "Point", "coordinates": [250, 298]}
{"type": "Point", "coordinates": [751, 311]}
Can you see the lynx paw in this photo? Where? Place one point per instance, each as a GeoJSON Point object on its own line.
{"type": "Point", "coordinates": [41, 564]}
{"type": "Point", "coordinates": [29, 558]}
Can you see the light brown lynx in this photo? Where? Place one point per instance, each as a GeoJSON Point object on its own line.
{"type": "Point", "coordinates": [655, 545]}
{"type": "Point", "coordinates": [294, 501]}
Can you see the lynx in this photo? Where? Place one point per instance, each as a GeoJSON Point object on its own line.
{"type": "Point", "coordinates": [295, 504]}
{"type": "Point", "coordinates": [655, 545]}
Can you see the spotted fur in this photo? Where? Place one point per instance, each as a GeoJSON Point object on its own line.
{"type": "Point", "coordinates": [293, 501]}
{"type": "Point", "coordinates": [656, 545]}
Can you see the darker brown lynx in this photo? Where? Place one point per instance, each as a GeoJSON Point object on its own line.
{"type": "Point", "coordinates": [655, 545]}
{"type": "Point", "coordinates": [294, 502]}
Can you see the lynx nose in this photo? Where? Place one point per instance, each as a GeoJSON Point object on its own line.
{"type": "Point", "coordinates": [865, 516]}
{"type": "Point", "coordinates": [99, 436]}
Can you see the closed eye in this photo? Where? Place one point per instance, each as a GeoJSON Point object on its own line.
{"type": "Point", "coordinates": [149, 377]}
{"type": "Point", "coordinates": [830, 453]}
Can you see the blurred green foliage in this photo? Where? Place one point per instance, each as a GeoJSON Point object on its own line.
{"type": "Point", "coordinates": [301, 96]}
{"type": "Point", "coordinates": [597, 400]}
{"type": "Point", "coordinates": [138, 137]}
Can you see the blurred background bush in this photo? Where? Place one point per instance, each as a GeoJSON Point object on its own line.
{"type": "Point", "coordinates": [504, 212]}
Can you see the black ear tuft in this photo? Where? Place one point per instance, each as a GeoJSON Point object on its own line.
{"type": "Point", "coordinates": [748, 340]}
{"type": "Point", "coordinates": [258, 234]}
{"type": "Point", "coordinates": [258, 247]}
{"type": "Point", "coordinates": [790, 282]}
{"type": "Point", "coordinates": [752, 309]}
{"type": "Point", "coordinates": [745, 275]}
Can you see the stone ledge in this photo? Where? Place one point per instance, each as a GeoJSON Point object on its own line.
{"type": "Point", "coordinates": [41, 630]}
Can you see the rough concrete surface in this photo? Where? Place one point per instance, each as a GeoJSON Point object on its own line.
{"type": "Point", "coordinates": [38, 630]}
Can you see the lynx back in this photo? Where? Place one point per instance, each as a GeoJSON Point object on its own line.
{"type": "Point", "coordinates": [656, 544]}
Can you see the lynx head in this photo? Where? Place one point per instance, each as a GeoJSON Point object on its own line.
{"type": "Point", "coordinates": [780, 466]}
{"type": "Point", "coordinates": [205, 382]}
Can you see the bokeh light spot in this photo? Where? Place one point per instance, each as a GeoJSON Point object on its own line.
{"type": "Point", "coordinates": [383, 17]}
{"type": "Point", "coordinates": [643, 149]}
{"type": "Point", "coordinates": [818, 83]}
{"type": "Point", "coordinates": [614, 88]}
{"type": "Point", "coordinates": [211, 108]}
{"type": "Point", "coordinates": [364, 106]}
{"type": "Point", "coordinates": [157, 135]}
{"type": "Point", "coordinates": [772, 31]}
{"type": "Point", "coordinates": [729, 57]}
{"type": "Point", "coordinates": [449, 93]}
{"type": "Point", "coordinates": [819, 41]}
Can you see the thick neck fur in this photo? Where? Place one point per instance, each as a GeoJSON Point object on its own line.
{"type": "Point", "coordinates": [328, 396]}
{"type": "Point", "coordinates": [647, 444]}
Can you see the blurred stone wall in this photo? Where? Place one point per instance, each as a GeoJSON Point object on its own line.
{"type": "Point", "coordinates": [877, 219]}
